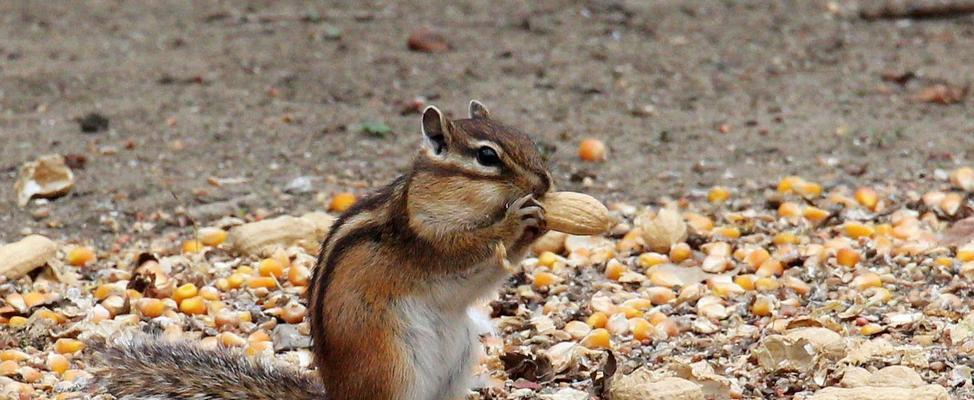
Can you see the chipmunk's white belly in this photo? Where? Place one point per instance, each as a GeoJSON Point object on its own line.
{"type": "Point", "coordinates": [442, 349]}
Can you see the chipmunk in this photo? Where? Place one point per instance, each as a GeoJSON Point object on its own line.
{"type": "Point", "coordinates": [389, 297]}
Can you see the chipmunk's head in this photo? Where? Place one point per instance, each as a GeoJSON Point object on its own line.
{"type": "Point", "coordinates": [468, 170]}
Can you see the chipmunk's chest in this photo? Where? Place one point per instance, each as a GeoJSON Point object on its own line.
{"type": "Point", "coordinates": [439, 348]}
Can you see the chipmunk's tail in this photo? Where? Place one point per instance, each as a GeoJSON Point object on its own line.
{"type": "Point", "coordinates": [150, 368]}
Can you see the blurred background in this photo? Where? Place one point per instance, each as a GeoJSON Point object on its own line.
{"type": "Point", "coordinates": [174, 111]}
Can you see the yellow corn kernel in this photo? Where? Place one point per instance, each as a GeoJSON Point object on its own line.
{"type": "Point", "coordinates": [229, 339]}
{"type": "Point", "coordinates": [67, 346]}
{"type": "Point", "coordinates": [788, 184]}
{"type": "Point", "coordinates": [341, 202]}
{"type": "Point", "coordinates": [699, 223]}
{"type": "Point", "coordinates": [223, 284]}
{"type": "Point", "coordinates": [881, 294]}
{"type": "Point", "coordinates": [104, 290]}
{"type": "Point", "coordinates": [847, 257]}
{"type": "Point", "coordinates": [783, 238]}
{"type": "Point", "coordinates": [614, 270]}
{"type": "Point", "coordinates": [133, 294]}
{"type": "Point", "coordinates": [789, 210]}
{"type": "Point", "coordinates": [871, 329]}
{"type": "Point", "coordinates": [192, 246]}
{"type": "Point", "coordinates": [866, 281]}
{"type": "Point", "coordinates": [757, 257]}
{"type": "Point", "coordinates": [259, 336]}
{"type": "Point", "coordinates": [669, 327]}
{"type": "Point", "coordinates": [718, 195]}
{"type": "Point", "coordinates": [597, 339]}
{"type": "Point", "coordinates": [944, 261]}
{"type": "Point", "coordinates": [680, 252]}
{"type": "Point", "coordinates": [641, 329]}
{"type": "Point", "coordinates": [598, 319]}
{"type": "Point", "coordinates": [212, 236]}
{"type": "Point", "coordinates": [152, 308]}
{"type": "Point", "coordinates": [57, 363]}
{"type": "Point", "coordinates": [729, 232]}
{"type": "Point", "coordinates": [32, 299]}
{"type": "Point", "coordinates": [629, 312]}
{"type": "Point", "coordinates": [13, 355]}
{"type": "Point", "coordinates": [884, 230]}
{"type": "Point", "coordinates": [766, 284]}
{"type": "Point", "coordinates": [184, 292]}
{"type": "Point", "coordinates": [815, 214]}
{"type": "Point", "coordinates": [80, 256]}
{"type": "Point", "coordinates": [73, 374]}
{"type": "Point", "coordinates": [210, 293]}
{"type": "Point", "coordinates": [965, 253]}
{"type": "Point", "coordinates": [800, 287]}
{"type": "Point", "coordinates": [258, 348]}
{"type": "Point", "coordinates": [8, 368]}
{"type": "Point", "coordinates": [726, 289]}
{"type": "Point", "coordinates": [246, 270]}
{"type": "Point", "coordinates": [270, 267]}
{"type": "Point", "coordinates": [245, 316]}
{"type": "Point", "coordinates": [193, 306]}
{"type": "Point", "coordinates": [867, 197]}
{"type": "Point", "coordinates": [857, 230]}
{"type": "Point", "coordinates": [647, 260]}
{"type": "Point", "coordinates": [762, 307]}
{"type": "Point", "coordinates": [639, 304]}
{"type": "Point", "coordinates": [660, 295]}
{"type": "Point", "coordinates": [236, 280]}
{"type": "Point", "coordinates": [809, 189]}
{"type": "Point", "coordinates": [17, 321]}
{"type": "Point", "coordinates": [770, 267]}
{"type": "Point", "coordinates": [544, 279]}
{"type": "Point", "coordinates": [547, 259]}
{"type": "Point", "coordinates": [262, 282]}
{"type": "Point", "coordinates": [51, 315]}
{"type": "Point", "coordinates": [298, 275]}
{"type": "Point", "coordinates": [746, 282]}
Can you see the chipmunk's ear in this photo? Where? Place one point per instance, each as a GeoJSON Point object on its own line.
{"type": "Point", "coordinates": [478, 110]}
{"type": "Point", "coordinates": [436, 130]}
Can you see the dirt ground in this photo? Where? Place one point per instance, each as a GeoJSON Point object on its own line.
{"type": "Point", "coordinates": [269, 91]}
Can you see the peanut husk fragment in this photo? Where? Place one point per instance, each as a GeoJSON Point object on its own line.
{"type": "Point", "coordinates": [19, 258]}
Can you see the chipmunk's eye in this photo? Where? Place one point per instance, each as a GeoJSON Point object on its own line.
{"type": "Point", "coordinates": [487, 157]}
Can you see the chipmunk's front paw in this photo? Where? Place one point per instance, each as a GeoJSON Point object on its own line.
{"type": "Point", "coordinates": [500, 253]}
{"type": "Point", "coordinates": [529, 216]}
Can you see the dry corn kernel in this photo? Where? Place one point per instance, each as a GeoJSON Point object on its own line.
{"type": "Point", "coordinates": [80, 256]}
{"type": "Point", "coordinates": [258, 348]}
{"type": "Point", "coordinates": [965, 253]}
{"type": "Point", "coordinates": [866, 281]}
{"type": "Point", "coordinates": [8, 368]}
{"type": "Point", "coordinates": [669, 327]}
{"type": "Point", "coordinates": [17, 321]}
{"type": "Point", "coordinates": [641, 329]}
{"type": "Point", "coordinates": [766, 284]}
{"type": "Point", "coordinates": [259, 336]}
{"type": "Point", "coordinates": [718, 195]}
{"type": "Point", "coordinates": [66, 346]}
{"type": "Point", "coordinates": [597, 339]}
{"type": "Point", "coordinates": [341, 202]}
{"type": "Point", "coordinates": [726, 289]}
{"type": "Point", "coordinates": [660, 295]}
{"type": "Point", "coordinates": [229, 339]}
{"type": "Point", "coordinates": [32, 299]}
{"type": "Point", "coordinates": [51, 315]}
{"type": "Point", "coordinates": [614, 270]}
{"type": "Point", "coordinates": [639, 304]}
{"type": "Point", "coordinates": [881, 294]}
{"type": "Point", "coordinates": [192, 246]}
{"type": "Point", "coordinates": [847, 257]}
{"type": "Point", "coordinates": [762, 307]}
{"type": "Point", "coordinates": [770, 267]}
{"type": "Point", "coordinates": [293, 313]}
{"type": "Point", "coordinates": [729, 232]}
{"type": "Point", "coordinates": [785, 238]}
{"type": "Point", "coordinates": [547, 259]}
{"type": "Point", "coordinates": [270, 267]}
{"type": "Point", "coordinates": [298, 275]}
{"type": "Point", "coordinates": [245, 316]}
{"type": "Point", "coordinates": [647, 260]}
{"type": "Point", "coordinates": [867, 197]}
{"type": "Point", "coordinates": [680, 252]}
{"type": "Point", "coordinates": [746, 282]}
{"type": "Point", "coordinates": [104, 290]}
{"type": "Point", "coordinates": [757, 257]}
{"type": "Point", "coordinates": [656, 317]}
{"type": "Point", "coordinates": [800, 287]}
{"type": "Point", "coordinates": [815, 214]}
{"type": "Point", "coordinates": [236, 280]}
{"type": "Point", "coordinates": [544, 279]}
{"type": "Point", "coordinates": [209, 293]}
{"type": "Point", "coordinates": [212, 236]}
{"type": "Point", "coordinates": [788, 210]}
{"type": "Point", "coordinates": [699, 223]}
{"type": "Point", "coordinates": [73, 374]}
{"type": "Point", "coordinates": [857, 230]}
{"type": "Point", "coordinates": [944, 261]}
{"type": "Point", "coordinates": [13, 355]}
{"type": "Point", "coordinates": [629, 312]}
{"type": "Point", "coordinates": [598, 319]}
{"type": "Point", "coordinates": [152, 308]}
{"type": "Point", "coordinates": [29, 374]}
{"type": "Point", "coordinates": [592, 150]}
{"type": "Point", "coordinates": [223, 284]}
{"type": "Point", "coordinates": [871, 329]}
{"type": "Point", "coordinates": [809, 189]}
{"type": "Point", "coordinates": [883, 230]}
{"type": "Point", "coordinates": [193, 306]}
{"type": "Point", "coordinates": [57, 363]}
{"type": "Point", "coordinates": [244, 269]}
{"type": "Point", "coordinates": [262, 282]}
{"type": "Point", "coordinates": [788, 184]}
{"type": "Point", "coordinates": [184, 292]}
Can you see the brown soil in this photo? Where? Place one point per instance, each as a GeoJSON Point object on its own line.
{"type": "Point", "coordinates": [271, 91]}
